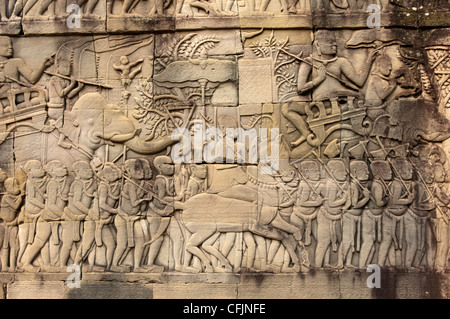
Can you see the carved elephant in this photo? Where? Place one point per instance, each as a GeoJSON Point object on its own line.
{"type": "Point", "coordinates": [93, 122]}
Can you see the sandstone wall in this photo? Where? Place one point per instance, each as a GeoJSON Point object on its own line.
{"type": "Point", "coordinates": [224, 149]}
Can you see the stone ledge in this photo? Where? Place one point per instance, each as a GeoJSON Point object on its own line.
{"type": "Point", "coordinates": [319, 284]}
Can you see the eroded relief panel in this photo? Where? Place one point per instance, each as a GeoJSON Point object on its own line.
{"type": "Point", "coordinates": [242, 136]}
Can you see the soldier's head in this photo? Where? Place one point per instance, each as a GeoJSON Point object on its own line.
{"type": "Point", "coordinates": [199, 171]}
{"type": "Point", "coordinates": [82, 170]}
{"type": "Point", "coordinates": [164, 165]}
{"type": "Point", "coordinates": [381, 170]}
{"type": "Point", "coordinates": [360, 170]}
{"type": "Point", "coordinates": [337, 168]}
{"type": "Point", "coordinates": [34, 168]}
{"type": "Point", "coordinates": [64, 61]}
{"type": "Point", "coordinates": [148, 174]}
{"type": "Point", "coordinates": [403, 167]}
{"type": "Point", "coordinates": [110, 172]}
{"type": "Point", "coordinates": [64, 65]}
{"type": "Point", "coordinates": [55, 169]}
{"type": "Point", "coordinates": [12, 186]}
{"type": "Point", "coordinates": [425, 171]}
{"type": "Point", "coordinates": [311, 170]}
{"type": "Point", "coordinates": [134, 168]}
{"type": "Point", "coordinates": [325, 42]}
{"type": "Point", "coordinates": [6, 48]}
{"type": "Point", "coordinates": [384, 65]}
{"type": "Point", "coordinates": [436, 155]}
{"type": "Point", "coordinates": [439, 173]}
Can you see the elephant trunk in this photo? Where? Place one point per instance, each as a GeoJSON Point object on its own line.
{"type": "Point", "coordinates": [139, 146]}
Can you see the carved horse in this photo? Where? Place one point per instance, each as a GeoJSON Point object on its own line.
{"type": "Point", "coordinates": [207, 215]}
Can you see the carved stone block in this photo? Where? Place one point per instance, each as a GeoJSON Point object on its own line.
{"type": "Point", "coordinates": [234, 149]}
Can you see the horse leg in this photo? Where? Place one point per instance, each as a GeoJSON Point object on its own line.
{"type": "Point", "coordinates": [196, 239]}
{"type": "Point", "coordinates": [290, 244]}
{"type": "Point", "coordinates": [209, 248]}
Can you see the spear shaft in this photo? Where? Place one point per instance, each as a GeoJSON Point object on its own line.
{"type": "Point", "coordinates": [79, 80]}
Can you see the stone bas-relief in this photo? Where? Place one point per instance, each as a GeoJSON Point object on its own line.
{"type": "Point", "coordinates": [330, 216]}
{"type": "Point", "coordinates": [57, 17]}
{"type": "Point", "coordinates": [123, 153]}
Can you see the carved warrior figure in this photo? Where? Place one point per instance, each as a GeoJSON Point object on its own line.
{"type": "Point", "coordinates": [36, 186]}
{"type": "Point", "coordinates": [9, 214]}
{"type": "Point", "coordinates": [359, 195]}
{"type": "Point", "coordinates": [81, 198]}
{"type": "Point", "coordinates": [336, 199]}
{"type": "Point", "coordinates": [278, 257]}
{"type": "Point", "coordinates": [98, 226]}
{"type": "Point", "coordinates": [321, 76]}
{"type": "Point", "coordinates": [308, 200]}
{"type": "Point", "coordinates": [270, 223]}
{"type": "Point", "coordinates": [379, 86]}
{"type": "Point", "coordinates": [417, 223]}
{"type": "Point", "coordinates": [59, 90]}
{"type": "Point", "coordinates": [11, 72]}
{"type": "Point", "coordinates": [13, 67]}
{"type": "Point", "coordinates": [371, 231]}
{"type": "Point", "coordinates": [47, 227]}
{"type": "Point", "coordinates": [350, 216]}
{"type": "Point", "coordinates": [441, 222]}
{"type": "Point", "coordinates": [130, 221]}
{"type": "Point", "coordinates": [394, 219]}
{"type": "Point", "coordinates": [160, 209]}
{"type": "Point", "coordinates": [197, 182]}
{"type": "Point", "coordinates": [268, 217]}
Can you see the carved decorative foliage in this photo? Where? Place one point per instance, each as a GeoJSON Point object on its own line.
{"type": "Point", "coordinates": [185, 48]}
{"type": "Point", "coordinates": [439, 59]}
{"type": "Point", "coordinates": [154, 113]}
{"type": "Point", "coordinates": [284, 63]}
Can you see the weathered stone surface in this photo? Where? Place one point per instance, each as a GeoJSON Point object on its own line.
{"type": "Point", "coordinates": [36, 290]}
{"type": "Point", "coordinates": [224, 149]}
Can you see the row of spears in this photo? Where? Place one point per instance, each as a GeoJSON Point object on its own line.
{"type": "Point", "coordinates": [346, 214]}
